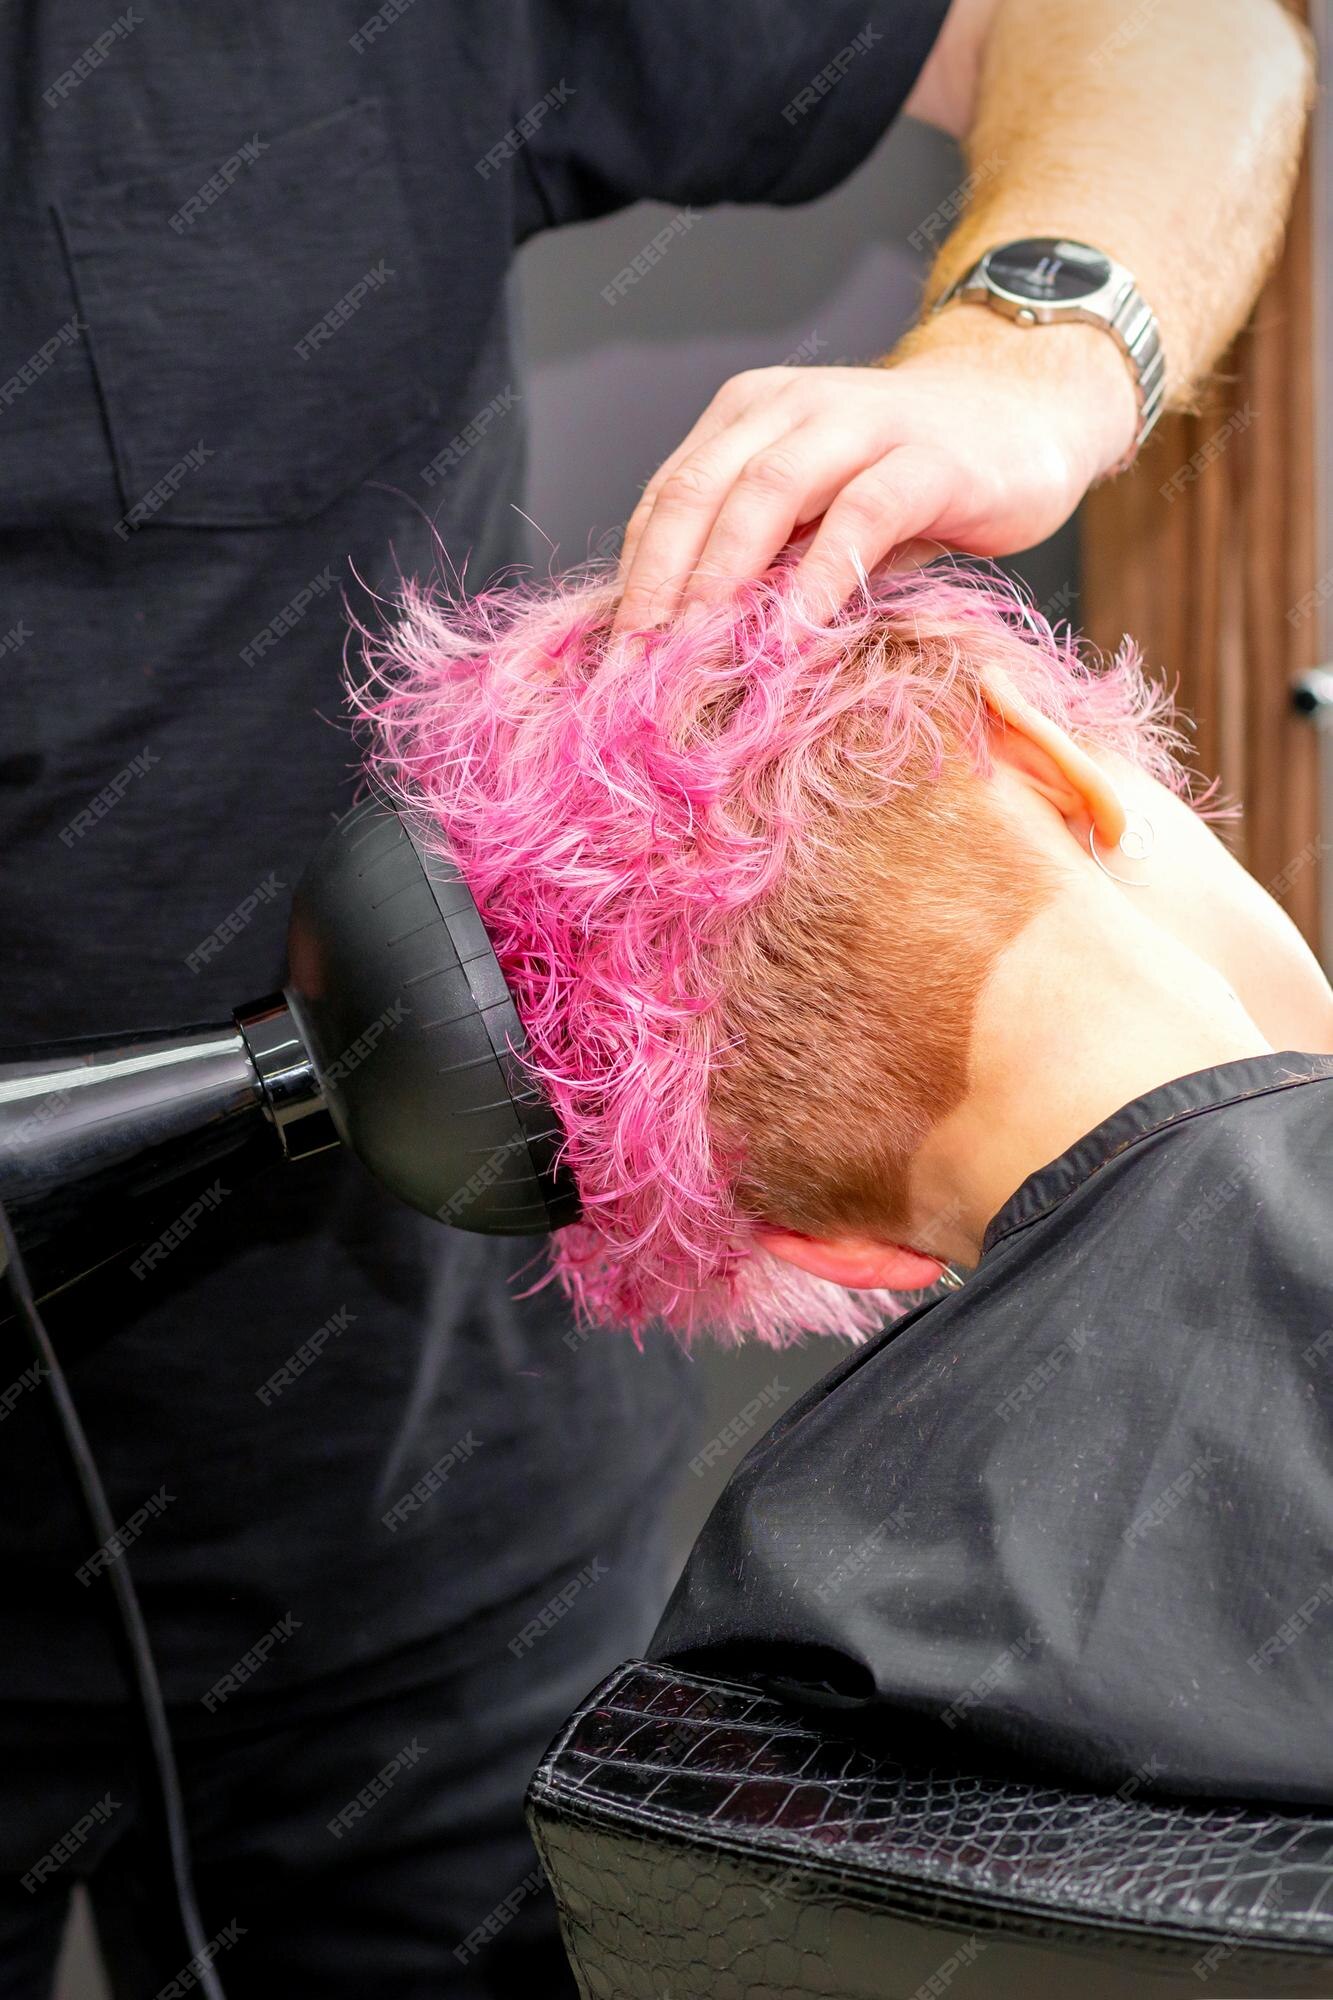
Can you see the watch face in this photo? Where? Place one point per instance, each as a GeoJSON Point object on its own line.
{"type": "Point", "coordinates": [1048, 270]}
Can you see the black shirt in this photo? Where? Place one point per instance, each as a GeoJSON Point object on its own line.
{"type": "Point", "coordinates": [1080, 1513]}
{"type": "Point", "coordinates": [256, 351]}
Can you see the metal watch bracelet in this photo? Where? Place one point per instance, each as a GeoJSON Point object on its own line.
{"type": "Point", "coordinates": [1123, 312]}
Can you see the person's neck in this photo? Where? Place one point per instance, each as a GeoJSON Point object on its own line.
{"type": "Point", "coordinates": [1083, 1013]}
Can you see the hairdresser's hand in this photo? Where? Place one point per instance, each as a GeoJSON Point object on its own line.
{"type": "Point", "coordinates": [978, 435]}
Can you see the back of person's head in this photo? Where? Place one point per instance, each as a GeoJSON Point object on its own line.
{"type": "Point", "coordinates": [745, 876]}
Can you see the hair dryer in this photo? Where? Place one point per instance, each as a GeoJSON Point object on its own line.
{"type": "Point", "coordinates": [395, 1035]}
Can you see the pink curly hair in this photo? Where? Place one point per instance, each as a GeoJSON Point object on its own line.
{"type": "Point", "coordinates": [631, 818]}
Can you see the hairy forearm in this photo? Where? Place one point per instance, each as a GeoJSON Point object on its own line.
{"type": "Point", "coordinates": [1165, 132]}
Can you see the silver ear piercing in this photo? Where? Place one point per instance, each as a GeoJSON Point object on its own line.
{"type": "Point", "coordinates": [1136, 843]}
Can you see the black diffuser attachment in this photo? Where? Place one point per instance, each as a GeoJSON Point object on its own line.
{"type": "Point", "coordinates": [414, 1039]}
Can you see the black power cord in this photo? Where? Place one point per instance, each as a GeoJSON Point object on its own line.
{"type": "Point", "coordinates": [143, 1672]}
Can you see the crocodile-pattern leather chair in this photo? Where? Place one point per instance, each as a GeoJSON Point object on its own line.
{"type": "Point", "coordinates": [707, 1843]}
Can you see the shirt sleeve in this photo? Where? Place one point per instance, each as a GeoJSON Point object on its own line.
{"type": "Point", "coordinates": [696, 102]}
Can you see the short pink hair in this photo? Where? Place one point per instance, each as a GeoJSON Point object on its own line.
{"type": "Point", "coordinates": [622, 812]}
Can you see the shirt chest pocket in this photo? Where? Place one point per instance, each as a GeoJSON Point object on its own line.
{"type": "Point", "coordinates": [256, 324]}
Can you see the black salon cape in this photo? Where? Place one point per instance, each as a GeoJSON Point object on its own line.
{"type": "Point", "coordinates": [1078, 1515]}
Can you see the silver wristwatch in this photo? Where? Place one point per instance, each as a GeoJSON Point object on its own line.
{"type": "Point", "coordinates": [1041, 280]}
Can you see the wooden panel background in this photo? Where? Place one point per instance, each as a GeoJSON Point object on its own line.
{"type": "Point", "coordinates": [1207, 553]}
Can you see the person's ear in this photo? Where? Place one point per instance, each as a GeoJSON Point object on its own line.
{"type": "Point", "coordinates": [859, 1263]}
{"type": "Point", "coordinates": [1054, 764]}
